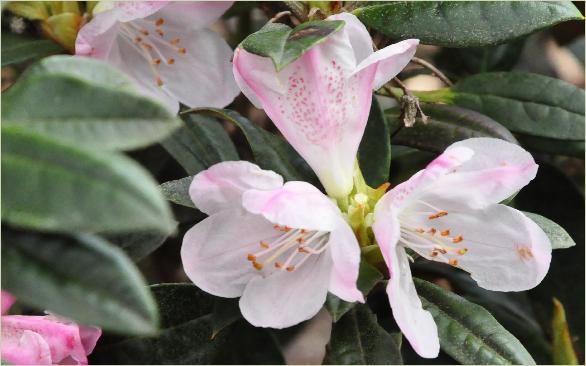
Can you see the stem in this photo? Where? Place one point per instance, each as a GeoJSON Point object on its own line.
{"type": "Point", "coordinates": [279, 15]}
{"type": "Point", "coordinates": [433, 69]}
{"type": "Point", "coordinates": [298, 9]}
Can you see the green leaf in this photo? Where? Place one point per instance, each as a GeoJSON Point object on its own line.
{"type": "Point", "coordinates": [226, 312]}
{"type": "Point", "coordinates": [527, 104]}
{"type": "Point", "coordinates": [285, 45]}
{"type": "Point", "coordinates": [553, 146]}
{"type": "Point", "coordinates": [177, 191]}
{"type": "Point", "coordinates": [560, 239]}
{"type": "Point", "coordinates": [47, 185]}
{"type": "Point", "coordinates": [86, 103]}
{"type": "Point", "coordinates": [465, 24]}
{"type": "Point", "coordinates": [563, 350]}
{"type": "Point", "coordinates": [374, 154]}
{"type": "Point", "coordinates": [139, 244]}
{"type": "Point", "coordinates": [270, 152]}
{"type": "Point", "coordinates": [368, 277]}
{"type": "Point", "coordinates": [446, 125]}
{"type": "Point", "coordinates": [18, 48]}
{"type": "Point", "coordinates": [469, 333]}
{"type": "Point", "coordinates": [81, 277]}
{"type": "Point", "coordinates": [201, 143]}
{"type": "Point", "coordinates": [357, 339]}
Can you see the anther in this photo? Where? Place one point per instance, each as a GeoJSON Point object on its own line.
{"type": "Point", "coordinates": [442, 250]}
{"type": "Point", "coordinates": [525, 252]}
{"type": "Point", "coordinates": [445, 232]}
{"type": "Point", "coordinates": [144, 32]}
{"type": "Point", "coordinates": [303, 231]}
{"type": "Point", "coordinates": [257, 265]}
{"type": "Point", "coordinates": [453, 262]}
{"type": "Point", "coordinates": [160, 22]}
{"type": "Point", "coordinates": [251, 257]}
{"type": "Point", "coordinates": [156, 61]}
{"type": "Point", "coordinates": [438, 215]}
{"type": "Point", "coordinates": [138, 39]}
{"type": "Point", "coordinates": [434, 253]}
{"type": "Point", "coordinates": [277, 227]}
{"type": "Point", "coordinates": [278, 265]}
{"type": "Point", "coordinates": [290, 268]}
{"type": "Point", "coordinates": [285, 228]}
{"type": "Point", "coordinates": [182, 50]}
{"type": "Point", "coordinates": [159, 81]}
{"type": "Point", "coordinates": [160, 33]}
{"type": "Point", "coordinates": [264, 244]}
{"type": "Point", "coordinates": [420, 231]}
{"type": "Point", "coordinates": [175, 41]}
{"type": "Point", "coordinates": [432, 231]}
{"type": "Point", "coordinates": [457, 239]}
{"type": "Point", "coordinates": [302, 250]}
{"type": "Point", "coordinates": [300, 240]}
{"type": "Point", "coordinates": [463, 251]}
{"type": "Point", "coordinates": [147, 46]}
{"type": "Point", "coordinates": [171, 61]}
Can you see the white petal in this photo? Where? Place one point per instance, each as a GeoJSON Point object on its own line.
{"type": "Point", "coordinates": [131, 10]}
{"type": "Point", "coordinates": [297, 205]}
{"type": "Point", "coordinates": [284, 299]}
{"type": "Point", "coordinates": [501, 248]}
{"type": "Point", "coordinates": [357, 34]}
{"type": "Point", "coordinates": [96, 38]}
{"type": "Point", "coordinates": [416, 324]}
{"type": "Point", "coordinates": [345, 253]}
{"type": "Point", "coordinates": [193, 14]}
{"type": "Point", "coordinates": [221, 186]}
{"type": "Point", "coordinates": [214, 251]}
{"type": "Point", "coordinates": [390, 60]}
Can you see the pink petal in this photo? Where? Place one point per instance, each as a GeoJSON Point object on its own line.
{"type": "Point", "coordinates": [415, 323]}
{"type": "Point", "coordinates": [389, 61]}
{"type": "Point", "coordinates": [131, 10]}
{"type": "Point", "coordinates": [7, 300]}
{"type": "Point", "coordinates": [297, 205]}
{"type": "Point", "coordinates": [214, 252]}
{"type": "Point", "coordinates": [357, 34]}
{"type": "Point", "coordinates": [89, 337]}
{"type": "Point", "coordinates": [29, 348]}
{"type": "Point", "coordinates": [284, 299]}
{"type": "Point", "coordinates": [96, 38]}
{"type": "Point", "coordinates": [197, 14]}
{"type": "Point", "coordinates": [501, 248]}
{"type": "Point", "coordinates": [345, 253]}
{"type": "Point", "coordinates": [222, 185]}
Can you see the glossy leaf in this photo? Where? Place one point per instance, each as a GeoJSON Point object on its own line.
{"type": "Point", "coordinates": [139, 244]}
{"type": "Point", "coordinates": [560, 239]}
{"type": "Point", "coordinates": [47, 185]}
{"type": "Point", "coordinates": [469, 333]}
{"type": "Point", "coordinates": [374, 153]}
{"type": "Point", "coordinates": [465, 24]}
{"type": "Point", "coordinates": [225, 313]}
{"type": "Point", "coordinates": [270, 152]}
{"type": "Point", "coordinates": [17, 48]}
{"type": "Point", "coordinates": [81, 277]}
{"type": "Point", "coordinates": [527, 104]}
{"type": "Point", "coordinates": [553, 146]}
{"type": "Point", "coordinates": [177, 191]}
{"type": "Point", "coordinates": [446, 125]}
{"type": "Point", "coordinates": [563, 351]}
{"type": "Point", "coordinates": [368, 277]}
{"type": "Point", "coordinates": [201, 143]}
{"type": "Point", "coordinates": [357, 339]}
{"type": "Point", "coordinates": [87, 103]}
{"type": "Point", "coordinates": [285, 45]}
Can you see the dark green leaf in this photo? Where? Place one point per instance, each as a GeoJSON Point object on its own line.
{"type": "Point", "coordinates": [553, 146]}
{"type": "Point", "coordinates": [270, 151]}
{"type": "Point", "coordinates": [17, 48]}
{"type": "Point", "coordinates": [357, 339]}
{"type": "Point", "coordinates": [527, 104]}
{"type": "Point", "coordinates": [468, 332]}
{"type": "Point", "coordinates": [446, 125]}
{"type": "Point", "coordinates": [577, 48]}
{"type": "Point", "coordinates": [177, 191]}
{"type": "Point", "coordinates": [86, 103]}
{"type": "Point", "coordinates": [285, 45]}
{"type": "Point", "coordinates": [368, 277]}
{"type": "Point", "coordinates": [563, 351]}
{"type": "Point", "coordinates": [560, 239]}
{"type": "Point", "coordinates": [138, 245]}
{"type": "Point", "coordinates": [465, 24]}
{"type": "Point", "coordinates": [201, 143]}
{"type": "Point", "coordinates": [50, 186]}
{"type": "Point", "coordinates": [81, 277]}
{"type": "Point", "coordinates": [226, 312]}
{"type": "Point", "coordinates": [374, 154]}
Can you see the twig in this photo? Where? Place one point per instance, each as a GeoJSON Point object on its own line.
{"type": "Point", "coordinates": [433, 69]}
{"type": "Point", "coordinates": [279, 15]}
{"type": "Point", "coordinates": [298, 9]}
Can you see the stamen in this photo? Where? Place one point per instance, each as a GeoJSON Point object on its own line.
{"type": "Point", "coordinates": [171, 61]}
{"type": "Point", "coordinates": [160, 22]}
{"type": "Point", "coordinates": [457, 239]}
{"type": "Point", "coordinates": [159, 81]}
{"type": "Point", "coordinates": [438, 215]}
{"type": "Point", "coordinates": [264, 244]}
{"type": "Point", "coordinates": [432, 231]}
{"type": "Point", "coordinates": [290, 268]}
{"type": "Point", "coordinates": [420, 231]}
{"type": "Point", "coordinates": [175, 41]}
{"type": "Point", "coordinates": [453, 262]}
{"type": "Point", "coordinates": [278, 265]}
{"type": "Point", "coordinates": [251, 257]}
{"type": "Point", "coordinates": [463, 251]}
{"type": "Point", "coordinates": [156, 61]}
{"type": "Point", "coordinates": [182, 50]}
{"type": "Point", "coordinates": [160, 32]}
{"type": "Point", "coordinates": [445, 232]}
{"type": "Point", "coordinates": [525, 252]}
{"type": "Point", "coordinates": [257, 265]}
{"type": "Point", "coordinates": [144, 32]}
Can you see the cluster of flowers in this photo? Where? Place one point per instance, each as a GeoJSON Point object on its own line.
{"type": "Point", "coordinates": [281, 247]}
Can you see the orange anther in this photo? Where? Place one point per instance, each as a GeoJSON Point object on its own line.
{"type": "Point", "coordinates": [147, 46]}
{"type": "Point", "coordinates": [278, 265]}
{"type": "Point", "coordinates": [420, 231]}
{"type": "Point", "coordinates": [438, 215]}
{"type": "Point", "coordinates": [171, 61]}
{"type": "Point", "coordinates": [264, 244]}
{"type": "Point", "coordinates": [434, 253]}
{"type": "Point", "coordinates": [302, 250]}
{"type": "Point", "coordinates": [182, 50]}
{"type": "Point", "coordinates": [525, 252]}
{"type": "Point", "coordinates": [144, 32]}
{"type": "Point", "coordinates": [445, 232]}
{"type": "Point", "coordinates": [137, 39]}
{"type": "Point", "coordinates": [286, 229]}
{"type": "Point", "coordinates": [453, 262]}
{"type": "Point", "coordinates": [257, 265]}
{"type": "Point", "coordinates": [462, 251]}
{"type": "Point", "coordinates": [175, 41]}
{"type": "Point", "coordinates": [300, 240]}
{"type": "Point", "coordinates": [156, 61]}
{"type": "Point", "coordinates": [160, 33]}
{"type": "Point", "coordinates": [160, 22]}
{"type": "Point", "coordinates": [303, 231]}
{"type": "Point", "coordinates": [290, 268]}
{"type": "Point", "coordinates": [251, 257]}
{"type": "Point", "coordinates": [384, 187]}
{"type": "Point", "coordinates": [457, 239]}
{"type": "Point", "coordinates": [432, 231]}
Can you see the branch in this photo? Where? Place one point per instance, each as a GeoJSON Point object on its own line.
{"type": "Point", "coordinates": [433, 69]}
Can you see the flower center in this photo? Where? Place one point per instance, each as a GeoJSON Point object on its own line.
{"type": "Point", "coordinates": [290, 249]}
{"type": "Point", "coordinates": [446, 246]}
{"type": "Point", "coordinates": [149, 39]}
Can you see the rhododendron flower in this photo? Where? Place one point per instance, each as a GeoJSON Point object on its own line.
{"type": "Point", "coordinates": [280, 247]}
{"type": "Point", "coordinates": [450, 212]}
{"type": "Point", "coordinates": [44, 340]}
{"type": "Point", "coordinates": [166, 48]}
{"type": "Point", "coordinates": [321, 102]}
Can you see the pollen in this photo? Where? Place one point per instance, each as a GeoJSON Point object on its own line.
{"type": "Point", "coordinates": [257, 265]}
{"type": "Point", "coordinates": [251, 257]}
{"type": "Point", "coordinates": [300, 240]}
{"type": "Point", "coordinates": [290, 268]}
{"type": "Point", "coordinates": [445, 232]}
{"type": "Point", "coordinates": [156, 61]}
{"type": "Point", "coordinates": [432, 231]}
{"type": "Point", "coordinates": [453, 262]}
{"type": "Point", "coordinates": [138, 39]}
{"type": "Point", "coordinates": [438, 215]}
{"type": "Point", "coordinates": [463, 251]}
{"type": "Point", "coordinates": [160, 22]}
{"type": "Point", "coordinates": [278, 265]}
{"type": "Point", "coordinates": [525, 252]}
{"type": "Point", "coordinates": [433, 253]}
{"type": "Point", "coordinates": [457, 239]}
{"type": "Point", "coordinates": [175, 41]}
{"type": "Point", "coordinates": [182, 50]}
{"type": "Point", "coordinates": [264, 244]}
